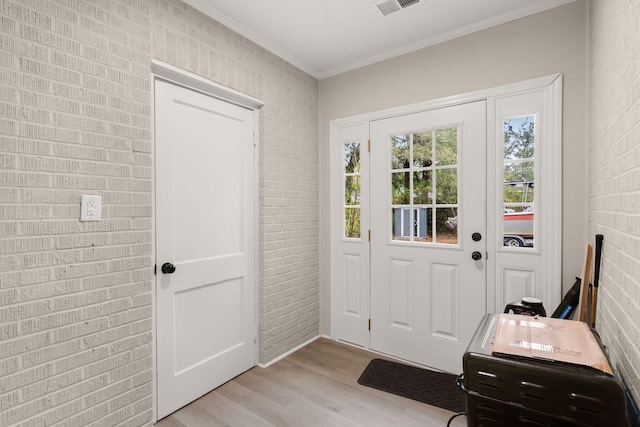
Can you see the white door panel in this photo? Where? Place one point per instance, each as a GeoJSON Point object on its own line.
{"type": "Point", "coordinates": [427, 293]}
{"type": "Point", "coordinates": [204, 227]}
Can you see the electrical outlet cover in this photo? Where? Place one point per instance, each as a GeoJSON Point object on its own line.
{"type": "Point", "coordinates": [91, 208]}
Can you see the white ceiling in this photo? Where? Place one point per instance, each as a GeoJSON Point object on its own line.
{"type": "Point", "coordinates": [328, 37]}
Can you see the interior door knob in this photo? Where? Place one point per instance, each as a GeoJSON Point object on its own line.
{"type": "Point", "coordinates": [476, 255]}
{"type": "Point", "coordinates": [168, 268]}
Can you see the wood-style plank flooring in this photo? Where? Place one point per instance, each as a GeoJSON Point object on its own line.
{"type": "Point", "coordinates": [315, 386]}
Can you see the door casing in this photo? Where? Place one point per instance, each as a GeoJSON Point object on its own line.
{"type": "Point", "coordinates": [166, 72]}
{"type": "Point", "coordinates": [349, 319]}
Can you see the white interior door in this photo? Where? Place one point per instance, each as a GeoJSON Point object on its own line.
{"type": "Point", "coordinates": [428, 201]}
{"type": "Point", "coordinates": [205, 309]}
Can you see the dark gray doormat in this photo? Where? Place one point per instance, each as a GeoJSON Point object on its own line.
{"type": "Point", "coordinates": [433, 388]}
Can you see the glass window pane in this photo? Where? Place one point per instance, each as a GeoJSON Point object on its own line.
{"type": "Point", "coordinates": [518, 229]}
{"type": "Point", "coordinates": [518, 193]}
{"type": "Point", "coordinates": [400, 188]}
{"type": "Point", "coordinates": [352, 222]}
{"type": "Point", "coordinates": [422, 226]}
{"type": "Point", "coordinates": [422, 191]}
{"type": "Point", "coordinates": [518, 172]}
{"type": "Point", "coordinates": [352, 190]}
{"type": "Point", "coordinates": [400, 152]}
{"type": "Point", "coordinates": [447, 186]}
{"type": "Point", "coordinates": [519, 181]}
{"type": "Point", "coordinates": [446, 226]}
{"type": "Point", "coordinates": [352, 157]}
{"type": "Point", "coordinates": [519, 137]}
{"type": "Point", "coordinates": [400, 223]}
{"type": "Point", "coordinates": [447, 147]}
{"type": "Point", "coordinates": [422, 149]}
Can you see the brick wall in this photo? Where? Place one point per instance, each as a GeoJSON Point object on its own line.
{"type": "Point", "coordinates": [76, 118]}
{"type": "Point", "coordinates": [614, 179]}
{"type": "Point", "coordinates": [289, 218]}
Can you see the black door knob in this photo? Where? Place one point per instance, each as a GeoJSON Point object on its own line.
{"type": "Point", "coordinates": [476, 237]}
{"type": "Point", "coordinates": [168, 268]}
{"type": "Point", "coordinates": [476, 255]}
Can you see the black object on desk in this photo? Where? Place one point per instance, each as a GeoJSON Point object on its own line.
{"type": "Point", "coordinates": [516, 391]}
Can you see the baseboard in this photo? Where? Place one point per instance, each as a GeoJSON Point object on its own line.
{"type": "Point", "coordinates": [293, 350]}
{"type": "Point", "coordinates": [388, 356]}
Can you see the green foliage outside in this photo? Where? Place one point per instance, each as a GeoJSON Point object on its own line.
{"type": "Point", "coordinates": [352, 222]}
{"type": "Point", "coordinates": [424, 159]}
{"type": "Point", "coordinates": [352, 189]}
{"type": "Point", "coordinates": [519, 150]}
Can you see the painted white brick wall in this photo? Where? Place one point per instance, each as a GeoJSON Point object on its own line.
{"type": "Point", "coordinates": [75, 118]}
{"type": "Point", "coordinates": [614, 181]}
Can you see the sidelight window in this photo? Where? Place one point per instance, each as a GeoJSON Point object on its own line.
{"type": "Point", "coordinates": [519, 181]}
{"type": "Point", "coordinates": [352, 180]}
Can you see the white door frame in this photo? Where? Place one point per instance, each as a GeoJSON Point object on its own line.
{"type": "Point", "coordinates": [166, 72]}
{"type": "Point", "coordinates": [357, 126]}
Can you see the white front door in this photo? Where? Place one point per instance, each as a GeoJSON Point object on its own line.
{"type": "Point", "coordinates": [205, 213]}
{"type": "Point", "coordinates": [428, 242]}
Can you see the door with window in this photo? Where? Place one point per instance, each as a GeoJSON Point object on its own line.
{"type": "Point", "coordinates": [450, 212]}
{"type": "Point", "coordinates": [428, 222]}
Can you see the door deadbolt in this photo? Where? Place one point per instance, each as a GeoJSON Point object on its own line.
{"type": "Point", "coordinates": [476, 237]}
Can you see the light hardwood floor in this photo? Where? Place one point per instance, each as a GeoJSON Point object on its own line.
{"type": "Point", "coordinates": [315, 386]}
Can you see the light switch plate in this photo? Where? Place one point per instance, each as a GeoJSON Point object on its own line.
{"type": "Point", "coordinates": [91, 208]}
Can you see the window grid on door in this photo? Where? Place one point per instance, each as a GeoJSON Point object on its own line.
{"type": "Point", "coordinates": [424, 186]}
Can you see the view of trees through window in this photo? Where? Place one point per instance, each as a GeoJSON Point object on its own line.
{"type": "Point", "coordinates": [519, 181]}
{"type": "Point", "coordinates": [352, 189]}
{"type": "Point", "coordinates": [424, 186]}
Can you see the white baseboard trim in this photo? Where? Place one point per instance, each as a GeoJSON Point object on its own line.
{"type": "Point", "coordinates": [293, 350]}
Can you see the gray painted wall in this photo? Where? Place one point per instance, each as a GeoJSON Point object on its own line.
{"type": "Point", "coordinates": [549, 42]}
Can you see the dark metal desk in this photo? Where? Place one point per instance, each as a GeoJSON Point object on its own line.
{"type": "Point", "coordinates": [510, 391]}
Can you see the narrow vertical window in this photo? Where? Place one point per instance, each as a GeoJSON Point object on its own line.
{"type": "Point", "coordinates": [519, 181]}
{"type": "Point", "coordinates": [352, 189]}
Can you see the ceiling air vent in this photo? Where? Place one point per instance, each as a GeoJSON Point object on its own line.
{"type": "Point", "coordinates": [390, 6]}
{"type": "Point", "coordinates": [406, 3]}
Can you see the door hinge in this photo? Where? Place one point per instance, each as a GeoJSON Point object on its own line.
{"type": "Point", "coordinates": [155, 269]}
{"type": "Point", "coordinates": [369, 324]}
{"type": "Point", "coordinates": [369, 234]}
{"type": "Point", "coordinates": [369, 146]}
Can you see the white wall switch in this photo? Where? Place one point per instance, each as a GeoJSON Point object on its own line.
{"type": "Point", "coordinates": [91, 208]}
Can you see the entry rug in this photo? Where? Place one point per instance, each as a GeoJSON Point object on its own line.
{"type": "Point", "coordinates": [430, 387]}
